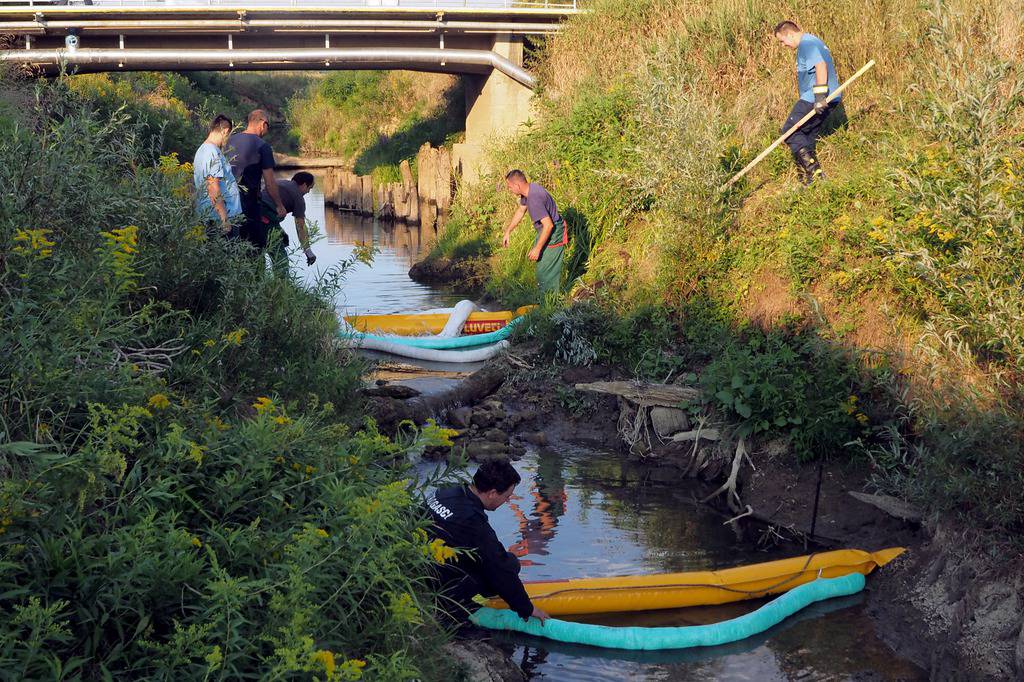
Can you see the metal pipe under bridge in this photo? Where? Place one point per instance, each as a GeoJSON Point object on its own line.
{"type": "Point", "coordinates": [482, 40]}
{"type": "Point", "coordinates": [122, 35]}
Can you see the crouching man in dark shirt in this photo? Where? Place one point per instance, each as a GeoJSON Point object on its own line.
{"type": "Point", "coordinates": [482, 565]}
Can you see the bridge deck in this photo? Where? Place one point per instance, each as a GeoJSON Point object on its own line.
{"type": "Point", "coordinates": [140, 35]}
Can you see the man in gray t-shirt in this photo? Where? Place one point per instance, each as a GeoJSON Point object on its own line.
{"type": "Point", "coordinates": [548, 250]}
{"type": "Point", "coordinates": [292, 193]}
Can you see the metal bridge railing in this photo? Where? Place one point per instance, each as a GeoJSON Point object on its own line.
{"type": "Point", "coordinates": [268, 4]}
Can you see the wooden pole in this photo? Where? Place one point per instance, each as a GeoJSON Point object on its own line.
{"type": "Point", "coordinates": [807, 117]}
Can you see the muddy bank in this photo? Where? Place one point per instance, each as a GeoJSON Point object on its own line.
{"type": "Point", "coordinates": [947, 605]}
{"type": "Point", "coordinates": [463, 274]}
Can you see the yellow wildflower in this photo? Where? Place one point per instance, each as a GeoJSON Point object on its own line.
{"type": "Point", "coordinates": [196, 452]}
{"type": "Point", "coordinates": [215, 657]}
{"type": "Point", "coordinates": [282, 420]}
{"type": "Point", "coordinates": [219, 424]}
{"type": "Point", "coordinates": [169, 163]}
{"type": "Point", "coordinates": [352, 669]}
{"type": "Point", "coordinates": [353, 460]}
{"type": "Point", "coordinates": [322, 533]}
{"type": "Point", "coordinates": [34, 243]}
{"type": "Point", "coordinates": [209, 343]}
{"type": "Point", "coordinates": [279, 459]}
{"type": "Point", "coordinates": [196, 542]}
{"type": "Point", "coordinates": [234, 337]}
{"type": "Point", "coordinates": [326, 659]}
{"type": "Point", "coordinates": [122, 245]}
{"type": "Point", "coordinates": [403, 608]}
{"type": "Point", "coordinates": [440, 551]}
{"type": "Point", "coordinates": [196, 233]}
{"type": "Point", "coordinates": [264, 404]}
{"type": "Point", "coordinates": [862, 419]}
{"type": "Point", "coordinates": [310, 469]}
{"type": "Point", "coordinates": [158, 401]}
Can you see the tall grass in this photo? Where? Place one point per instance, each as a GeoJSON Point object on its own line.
{"type": "Point", "coordinates": [187, 488]}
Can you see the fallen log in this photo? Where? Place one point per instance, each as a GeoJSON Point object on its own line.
{"type": "Point", "coordinates": [644, 394]}
{"type": "Point", "coordinates": [390, 412]}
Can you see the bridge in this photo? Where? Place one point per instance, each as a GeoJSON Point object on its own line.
{"type": "Point", "coordinates": [483, 41]}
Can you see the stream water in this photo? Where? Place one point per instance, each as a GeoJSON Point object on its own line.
{"type": "Point", "coordinates": [586, 513]}
{"type": "Point", "coordinates": [384, 286]}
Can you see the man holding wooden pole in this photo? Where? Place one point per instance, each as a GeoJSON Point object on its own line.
{"type": "Point", "coordinates": [816, 77]}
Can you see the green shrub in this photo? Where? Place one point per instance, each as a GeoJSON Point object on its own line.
{"type": "Point", "coordinates": [787, 383]}
{"type": "Point", "coordinates": [188, 490]}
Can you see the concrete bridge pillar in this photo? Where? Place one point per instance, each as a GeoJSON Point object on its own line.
{"type": "Point", "coordinates": [496, 106]}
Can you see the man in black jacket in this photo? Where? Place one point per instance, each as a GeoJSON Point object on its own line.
{"type": "Point", "coordinates": [482, 565]}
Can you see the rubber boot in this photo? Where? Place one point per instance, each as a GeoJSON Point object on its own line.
{"type": "Point", "coordinates": [801, 172]}
{"type": "Point", "coordinates": [810, 164]}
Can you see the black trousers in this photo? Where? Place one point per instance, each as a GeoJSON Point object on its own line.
{"type": "Point", "coordinates": [807, 134]}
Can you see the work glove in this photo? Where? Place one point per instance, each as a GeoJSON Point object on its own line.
{"type": "Point", "coordinates": [820, 95]}
{"type": "Point", "coordinates": [310, 256]}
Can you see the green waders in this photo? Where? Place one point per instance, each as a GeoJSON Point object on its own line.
{"type": "Point", "coordinates": [549, 267]}
{"type": "Point", "coordinates": [277, 239]}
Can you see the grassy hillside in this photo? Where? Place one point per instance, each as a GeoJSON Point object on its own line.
{"type": "Point", "coordinates": [188, 490]}
{"type": "Point", "coordinates": [886, 301]}
{"type": "Point", "coordinates": [377, 118]}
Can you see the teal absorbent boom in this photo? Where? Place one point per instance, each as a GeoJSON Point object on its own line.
{"type": "Point", "coordinates": [445, 344]}
{"type": "Point", "coordinates": [652, 639]}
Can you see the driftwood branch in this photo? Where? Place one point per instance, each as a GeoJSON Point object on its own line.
{"type": "Point", "coordinates": [749, 510]}
{"type": "Point", "coordinates": [729, 487]}
{"type": "Point", "coordinates": [890, 505]}
{"type": "Point", "coordinates": [644, 394]}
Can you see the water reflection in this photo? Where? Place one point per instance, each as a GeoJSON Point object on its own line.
{"type": "Point", "coordinates": [548, 499]}
{"type": "Point", "coordinates": [587, 513]}
{"type": "Point", "coordinates": [384, 286]}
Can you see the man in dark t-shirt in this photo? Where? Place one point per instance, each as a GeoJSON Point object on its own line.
{"type": "Point", "coordinates": [252, 163]}
{"type": "Point", "coordinates": [548, 250]}
{"type": "Point", "coordinates": [292, 193]}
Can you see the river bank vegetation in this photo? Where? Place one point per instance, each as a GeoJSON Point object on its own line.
{"type": "Point", "coordinates": [173, 108]}
{"type": "Point", "coordinates": [874, 316]}
{"type": "Point", "coordinates": [189, 489]}
{"type": "Point", "coordinates": [377, 119]}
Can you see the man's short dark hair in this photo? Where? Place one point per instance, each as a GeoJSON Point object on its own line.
{"type": "Point", "coordinates": [786, 27]}
{"type": "Point", "coordinates": [303, 178]}
{"type": "Point", "coordinates": [221, 122]}
{"type": "Point", "coordinates": [497, 475]}
{"type": "Point", "coordinates": [515, 174]}
{"type": "Point", "coordinates": [257, 116]}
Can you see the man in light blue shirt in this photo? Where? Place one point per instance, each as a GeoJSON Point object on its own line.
{"type": "Point", "coordinates": [217, 198]}
{"type": "Point", "coordinates": [815, 78]}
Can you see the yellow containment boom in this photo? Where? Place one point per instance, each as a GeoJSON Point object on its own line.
{"type": "Point", "coordinates": [697, 588]}
{"type": "Point", "coordinates": [432, 323]}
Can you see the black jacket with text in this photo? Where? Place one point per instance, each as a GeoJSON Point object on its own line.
{"type": "Point", "coordinates": [483, 565]}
